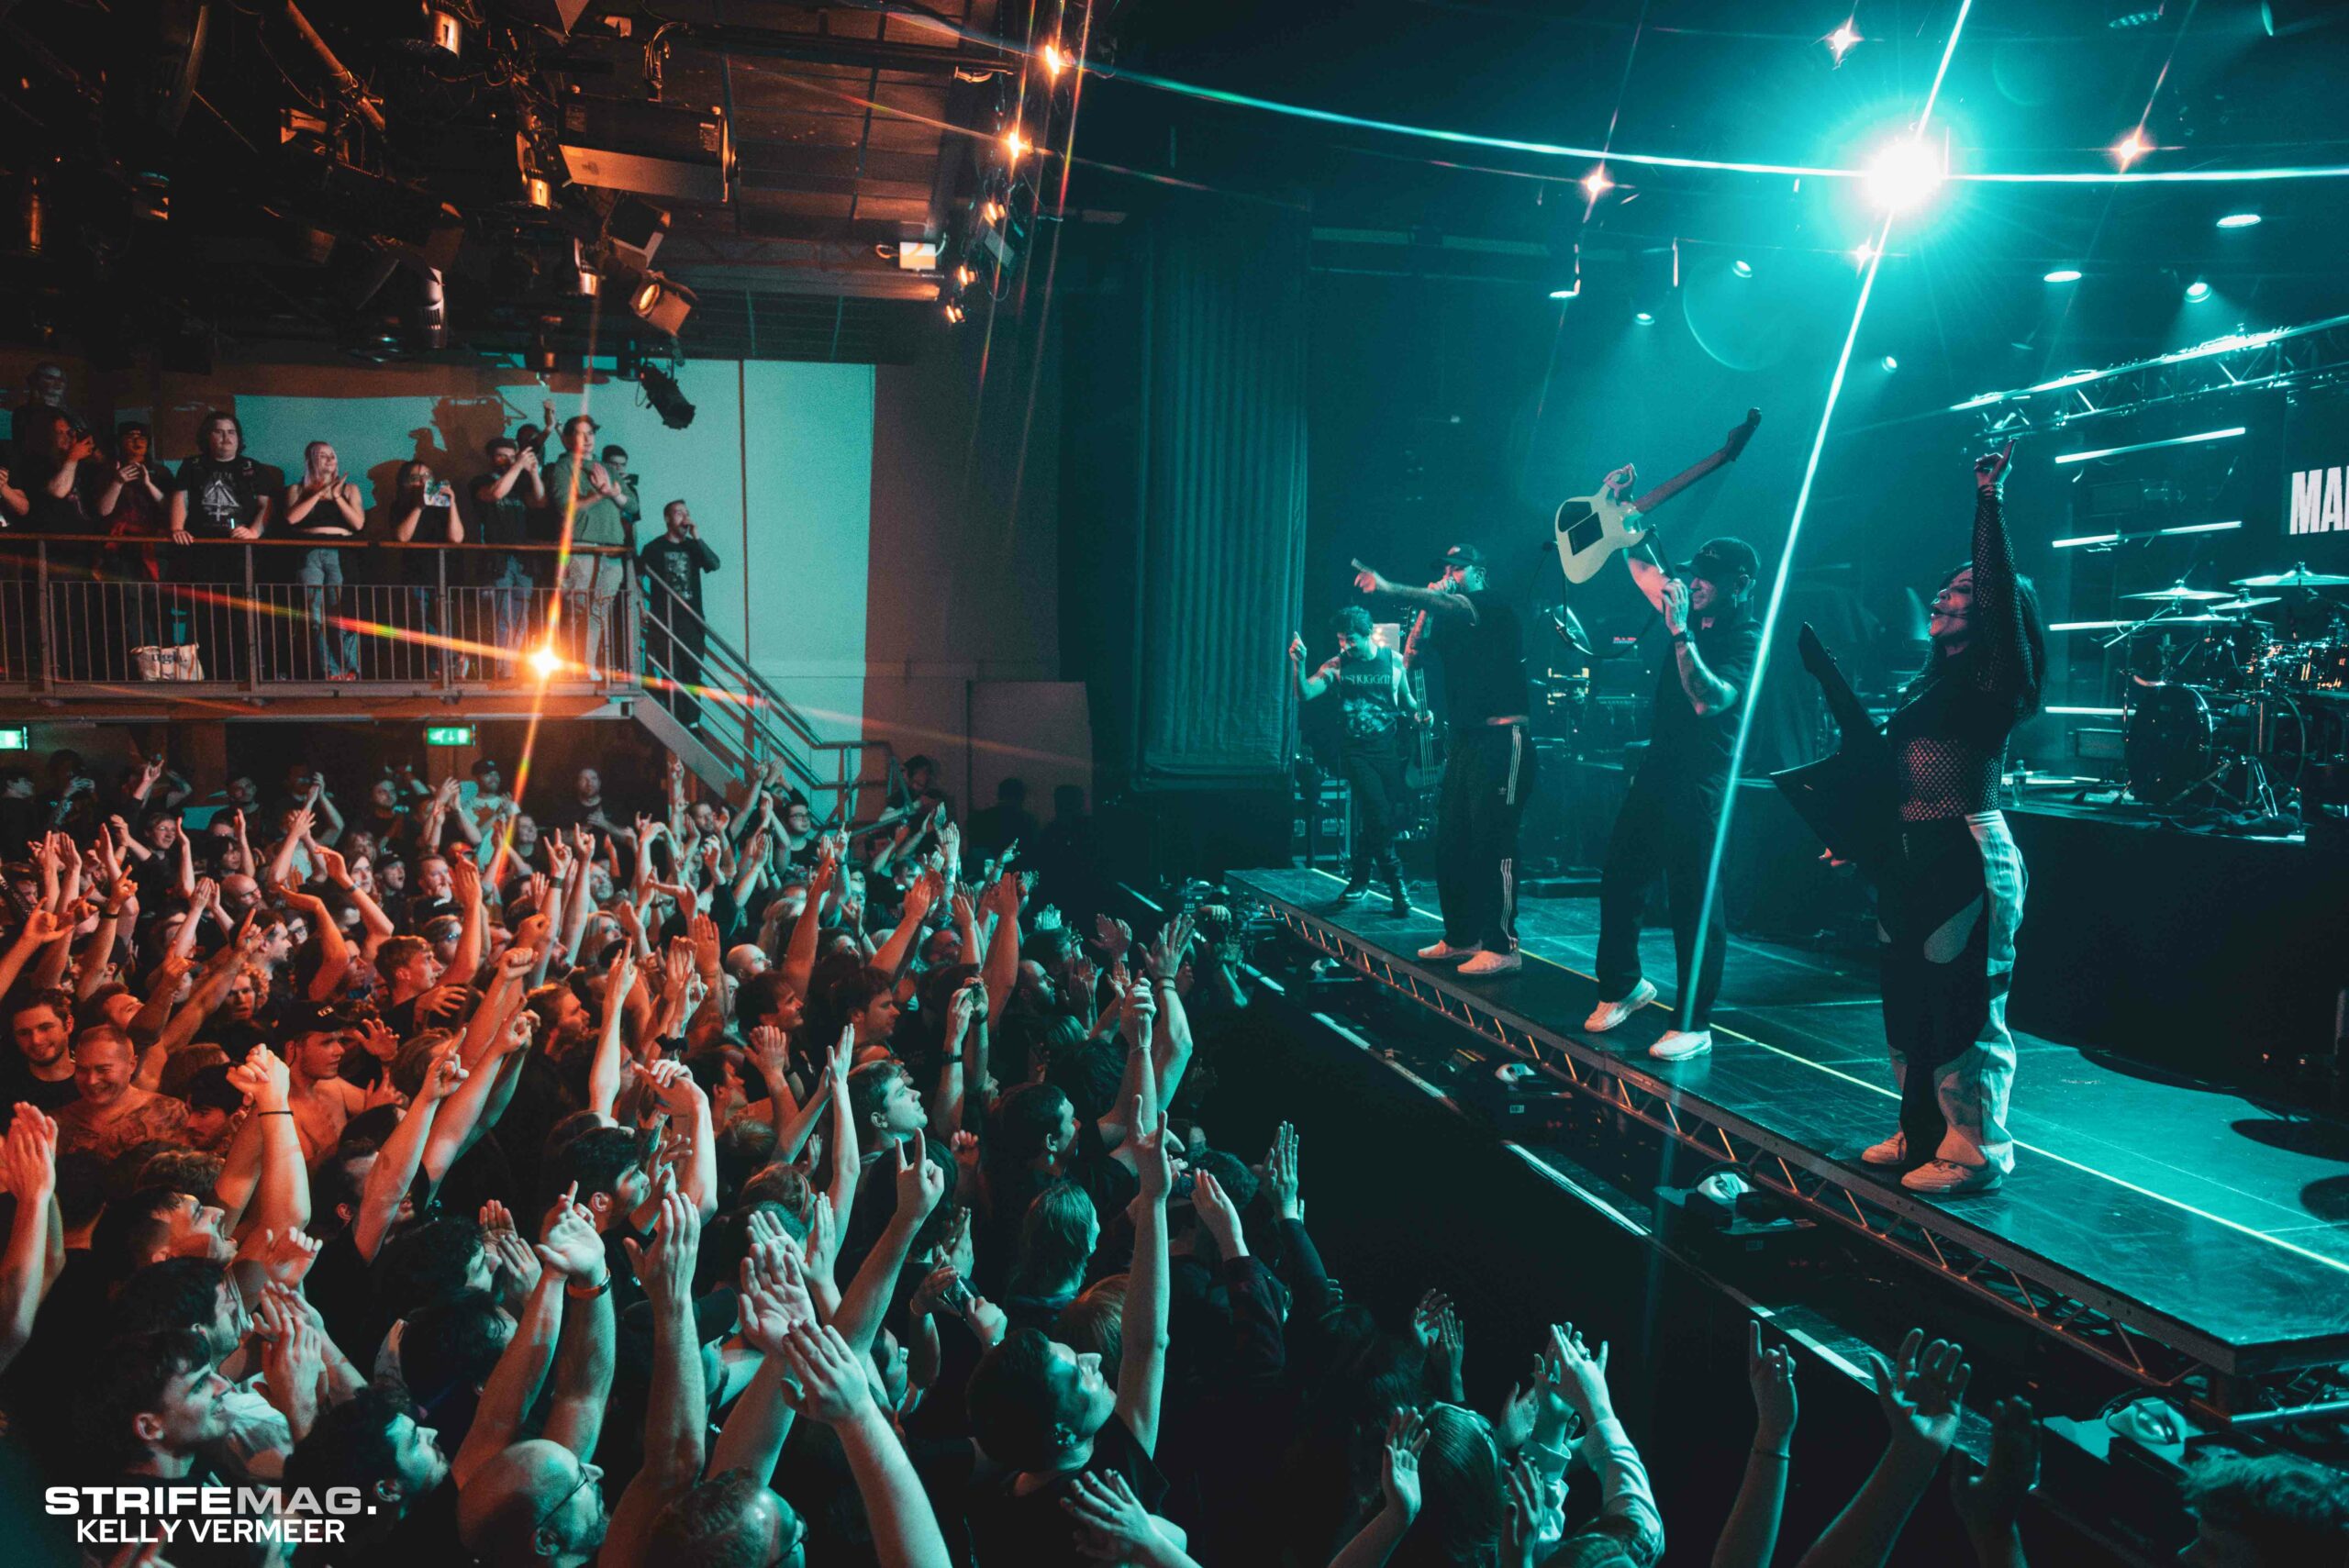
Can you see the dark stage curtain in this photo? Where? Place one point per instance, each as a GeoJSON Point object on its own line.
{"type": "Point", "coordinates": [1221, 551]}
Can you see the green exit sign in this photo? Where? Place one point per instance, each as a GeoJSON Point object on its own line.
{"type": "Point", "coordinates": [447, 735]}
{"type": "Point", "coordinates": [16, 740]}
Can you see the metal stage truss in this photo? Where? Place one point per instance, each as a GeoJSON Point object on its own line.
{"type": "Point", "coordinates": [2301, 358]}
{"type": "Point", "coordinates": [2225, 1376]}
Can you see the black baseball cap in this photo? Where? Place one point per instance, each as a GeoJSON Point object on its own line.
{"type": "Point", "coordinates": [317, 1017]}
{"type": "Point", "coordinates": [1461, 555]}
{"type": "Point", "coordinates": [1720, 558]}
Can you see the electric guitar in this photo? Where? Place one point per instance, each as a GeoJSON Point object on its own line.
{"type": "Point", "coordinates": [1592, 528]}
{"type": "Point", "coordinates": [1847, 798]}
{"type": "Point", "coordinates": [1422, 767]}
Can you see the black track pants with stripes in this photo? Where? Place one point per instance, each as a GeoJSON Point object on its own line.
{"type": "Point", "coordinates": [1486, 778]}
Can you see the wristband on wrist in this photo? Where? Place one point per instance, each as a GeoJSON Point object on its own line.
{"type": "Point", "coordinates": [1760, 1452]}
{"type": "Point", "coordinates": [1679, 636]}
{"type": "Point", "coordinates": [589, 1292]}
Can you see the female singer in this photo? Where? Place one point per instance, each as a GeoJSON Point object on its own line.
{"type": "Point", "coordinates": [1951, 901]}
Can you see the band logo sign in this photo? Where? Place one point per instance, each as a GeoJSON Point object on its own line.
{"type": "Point", "coordinates": [2316, 468]}
{"type": "Point", "coordinates": [2316, 502]}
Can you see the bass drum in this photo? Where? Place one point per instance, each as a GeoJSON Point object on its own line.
{"type": "Point", "coordinates": [2178, 736]}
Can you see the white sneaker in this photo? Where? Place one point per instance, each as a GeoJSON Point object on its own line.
{"type": "Point", "coordinates": [1491, 963]}
{"type": "Point", "coordinates": [1607, 1015]}
{"type": "Point", "coordinates": [1947, 1178]}
{"type": "Point", "coordinates": [1893, 1151]}
{"type": "Point", "coordinates": [1445, 952]}
{"type": "Point", "coordinates": [1678, 1045]}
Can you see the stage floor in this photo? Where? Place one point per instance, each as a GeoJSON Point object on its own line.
{"type": "Point", "coordinates": [2214, 1213]}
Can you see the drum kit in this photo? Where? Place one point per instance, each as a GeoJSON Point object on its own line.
{"type": "Point", "coordinates": [2231, 704]}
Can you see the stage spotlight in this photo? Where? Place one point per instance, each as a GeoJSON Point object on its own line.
{"type": "Point", "coordinates": [636, 229]}
{"type": "Point", "coordinates": [2130, 148]}
{"type": "Point", "coordinates": [954, 312]}
{"type": "Point", "coordinates": [2196, 292]}
{"type": "Point", "coordinates": [1014, 144]}
{"type": "Point", "coordinates": [2065, 275]}
{"type": "Point", "coordinates": [2240, 220]}
{"type": "Point", "coordinates": [1596, 183]}
{"type": "Point", "coordinates": [991, 211]}
{"type": "Point", "coordinates": [1645, 317]}
{"type": "Point", "coordinates": [1055, 62]}
{"type": "Point", "coordinates": [431, 315]}
{"type": "Point", "coordinates": [1743, 269]}
{"type": "Point", "coordinates": [1890, 364]}
{"type": "Point", "coordinates": [663, 304]}
{"type": "Point", "coordinates": [661, 390]}
{"type": "Point", "coordinates": [964, 277]}
{"type": "Point", "coordinates": [544, 662]}
{"type": "Point", "coordinates": [1841, 39]}
{"type": "Point", "coordinates": [1904, 175]}
{"type": "Point", "coordinates": [1864, 252]}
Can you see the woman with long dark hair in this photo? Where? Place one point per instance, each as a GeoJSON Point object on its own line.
{"type": "Point", "coordinates": [1953, 898]}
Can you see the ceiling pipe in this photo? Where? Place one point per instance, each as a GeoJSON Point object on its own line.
{"type": "Point", "coordinates": [344, 81]}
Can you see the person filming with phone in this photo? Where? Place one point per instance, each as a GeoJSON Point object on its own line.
{"type": "Point", "coordinates": [424, 511]}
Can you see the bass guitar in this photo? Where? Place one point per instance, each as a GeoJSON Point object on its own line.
{"type": "Point", "coordinates": [1847, 798]}
{"type": "Point", "coordinates": [1592, 528]}
{"type": "Point", "coordinates": [1422, 766]}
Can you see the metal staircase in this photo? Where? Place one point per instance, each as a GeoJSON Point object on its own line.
{"type": "Point", "coordinates": [743, 723]}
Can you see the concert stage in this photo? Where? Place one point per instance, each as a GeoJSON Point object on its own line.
{"type": "Point", "coordinates": [2195, 953]}
{"type": "Point", "coordinates": [2191, 1238]}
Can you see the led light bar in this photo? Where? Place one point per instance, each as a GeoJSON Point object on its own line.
{"type": "Point", "coordinates": [2142, 446]}
{"type": "Point", "coordinates": [2153, 533]}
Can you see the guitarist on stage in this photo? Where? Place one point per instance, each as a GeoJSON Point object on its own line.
{"type": "Point", "coordinates": [1674, 806]}
{"type": "Point", "coordinates": [1374, 702]}
{"type": "Point", "coordinates": [1487, 770]}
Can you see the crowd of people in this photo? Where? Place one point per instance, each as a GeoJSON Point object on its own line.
{"type": "Point", "coordinates": [158, 543]}
{"type": "Point", "coordinates": [694, 1184]}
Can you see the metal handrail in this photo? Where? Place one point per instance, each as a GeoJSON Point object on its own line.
{"type": "Point", "coordinates": [775, 728]}
{"type": "Point", "coordinates": [252, 644]}
{"type": "Point", "coordinates": [15, 539]}
{"type": "Point", "coordinates": [78, 633]}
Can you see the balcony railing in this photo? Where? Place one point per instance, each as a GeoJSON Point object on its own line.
{"type": "Point", "coordinates": [89, 616]}
{"type": "Point", "coordinates": [90, 619]}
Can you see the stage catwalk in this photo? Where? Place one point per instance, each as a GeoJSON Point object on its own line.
{"type": "Point", "coordinates": [2142, 1212]}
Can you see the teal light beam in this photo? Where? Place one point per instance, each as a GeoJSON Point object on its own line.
{"type": "Point", "coordinates": [1745, 706]}
{"type": "Point", "coordinates": [1732, 166]}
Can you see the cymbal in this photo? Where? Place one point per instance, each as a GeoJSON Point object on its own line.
{"type": "Point", "coordinates": [2298, 577]}
{"type": "Point", "coordinates": [2244, 604]}
{"type": "Point", "coordinates": [2159, 622]}
{"type": "Point", "coordinates": [2181, 591]}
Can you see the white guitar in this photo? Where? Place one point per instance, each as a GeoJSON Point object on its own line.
{"type": "Point", "coordinates": [1592, 528]}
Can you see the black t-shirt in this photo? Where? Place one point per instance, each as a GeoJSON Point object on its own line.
{"type": "Point", "coordinates": [500, 522]}
{"type": "Point", "coordinates": [1689, 750]}
{"type": "Point", "coordinates": [76, 511]}
{"type": "Point", "coordinates": [1009, 1530]}
{"type": "Point", "coordinates": [1484, 660]}
{"type": "Point", "coordinates": [17, 1086]}
{"type": "Point", "coordinates": [340, 1287]}
{"type": "Point", "coordinates": [679, 563]}
{"type": "Point", "coordinates": [1367, 711]}
{"type": "Point", "coordinates": [221, 496]}
{"type": "Point", "coordinates": [421, 568]}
